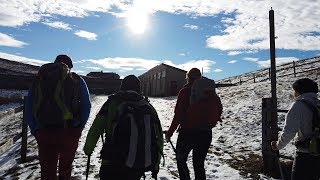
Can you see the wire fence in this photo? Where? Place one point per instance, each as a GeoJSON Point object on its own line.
{"type": "Point", "coordinates": [293, 68]}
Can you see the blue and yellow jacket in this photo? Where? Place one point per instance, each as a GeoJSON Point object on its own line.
{"type": "Point", "coordinates": [85, 107]}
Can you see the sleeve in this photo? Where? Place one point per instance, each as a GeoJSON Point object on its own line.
{"type": "Point", "coordinates": [179, 112]}
{"type": "Point", "coordinates": [220, 107]}
{"type": "Point", "coordinates": [160, 135]}
{"type": "Point", "coordinates": [97, 128]}
{"type": "Point", "coordinates": [29, 115]}
{"type": "Point", "coordinates": [85, 102]}
{"type": "Point", "coordinates": [292, 125]}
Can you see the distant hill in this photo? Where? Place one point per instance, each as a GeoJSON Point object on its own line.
{"type": "Point", "coordinates": [8, 67]}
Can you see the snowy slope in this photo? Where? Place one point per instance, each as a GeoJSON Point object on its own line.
{"type": "Point", "coordinates": [11, 169]}
{"type": "Point", "coordinates": [235, 152]}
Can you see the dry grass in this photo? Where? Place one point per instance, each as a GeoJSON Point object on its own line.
{"type": "Point", "coordinates": [251, 166]}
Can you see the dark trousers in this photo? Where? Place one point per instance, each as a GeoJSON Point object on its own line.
{"type": "Point", "coordinates": [116, 172]}
{"type": "Point", "coordinates": [57, 145]}
{"type": "Point", "coordinates": [199, 142]}
{"type": "Point", "coordinates": [306, 167]}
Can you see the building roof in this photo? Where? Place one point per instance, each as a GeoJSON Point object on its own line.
{"type": "Point", "coordinates": [166, 65]}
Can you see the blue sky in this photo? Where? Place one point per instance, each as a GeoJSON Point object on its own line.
{"type": "Point", "coordinates": [224, 38]}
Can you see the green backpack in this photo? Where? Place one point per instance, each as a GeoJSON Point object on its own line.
{"type": "Point", "coordinates": [56, 96]}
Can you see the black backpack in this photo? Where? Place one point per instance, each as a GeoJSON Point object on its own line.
{"type": "Point", "coordinates": [313, 144]}
{"type": "Point", "coordinates": [135, 138]}
{"type": "Point", "coordinates": [56, 96]}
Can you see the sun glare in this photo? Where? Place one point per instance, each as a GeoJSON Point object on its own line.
{"type": "Point", "coordinates": [137, 21]}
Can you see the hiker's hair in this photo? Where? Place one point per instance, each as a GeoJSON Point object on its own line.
{"type": "Point", "coordinates": [305, 85]}
{"type": "Point", "coordinates": [62, 58]}
{"type": "Point", "coordinates": [193, 74]}
{"type": "Point", "coordinates": [130, 82]}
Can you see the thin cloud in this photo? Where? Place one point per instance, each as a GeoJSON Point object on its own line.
{"type": "Point", "coordinates": [86, 35]}
{"type": "Point", "coordinates": [217, 70]}
{"type": "Point", "coordinates": [204, 65]}
{"type": "Point", "coordinates": [232, 62]}
{"type": "Point", "coordinates": [251, 59]}
{"type": "Point", "coordinates": [125, 64]}
{"type": "Point", "coordinates": [279, 61]}
{"type": "Point", "coordinates": [21, 59]}
{"type": "Point", "coordinates": [182, 54]}
{"type": "Point", "coordinates": [233, 53]}
{"type": "Point", "coordinates": [193, 27]}
{"type": "Point", "coordinates": [93, 68]}
{"type": "Point", "coordinates": [138, 64]}
{"type": "Point", "coordinates": [9, 41]}
{"type": "Point", "coordinates": [58, 25]}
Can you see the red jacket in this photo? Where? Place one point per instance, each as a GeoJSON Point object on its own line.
{"type": "Point", "coordinates": [189, 118]}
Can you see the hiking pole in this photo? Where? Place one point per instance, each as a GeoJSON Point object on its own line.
{"type": "Point", "coordinates": [184, 171]}
{"type": "Point", "coordinates": [174, 149]}
{"type": "Point", "coordinates": [88, 166]}
{"type": "Point", "coordinates": [279, 164]}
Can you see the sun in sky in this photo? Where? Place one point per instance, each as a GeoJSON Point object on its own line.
{"type": "Point", "coordinates": [138, 20]}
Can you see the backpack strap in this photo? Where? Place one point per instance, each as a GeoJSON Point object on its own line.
{"type": "Point", "coordinates": [67, 115]}
{"type": "Point", "coordinates": [37, 94]}
{"type": "Point", "coordinates": [315, 124]}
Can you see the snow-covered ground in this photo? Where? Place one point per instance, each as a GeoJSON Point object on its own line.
{"type": "Point", "coordinates": [4, 93]}
{"type": "Point", "coordinates": [236, 141]}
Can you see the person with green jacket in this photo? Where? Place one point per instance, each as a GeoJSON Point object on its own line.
{"type": "Point", "coordinates": [107, 121]}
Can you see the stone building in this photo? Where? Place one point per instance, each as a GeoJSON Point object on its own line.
{"type": "Point", "coordinates": [162, 80]}
{"type": "Point", "coordinates": [102, 82]}
{"type": "Point", "coordinates": [104, 75]}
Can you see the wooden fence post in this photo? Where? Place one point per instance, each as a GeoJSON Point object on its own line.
{"type": "Point", "coordinates": [269, 73]}
{"type": "Point", "coordinates": [24, 134]}
{"type": "Point", "coordinates": [269, 133]}
{"type": "Point", "coordinates": [254, 78]}
{"type": "Point", "coordinates": [294, 68]}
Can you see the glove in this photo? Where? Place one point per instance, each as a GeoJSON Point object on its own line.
{"type": "Point", "coordinates": [274, 145]}
{"type": "Point", "coordinates": [87, 151]}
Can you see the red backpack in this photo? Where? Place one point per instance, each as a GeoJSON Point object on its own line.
{"type": "Point", "coordinates": [205, 105]}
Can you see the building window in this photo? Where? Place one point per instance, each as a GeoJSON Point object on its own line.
{"type": "Point", "coordinates": [155, 76]}
{"type": "Point", "coordinates": [163, 74]}
{"type": "Point", "coordinates": [159, 75]}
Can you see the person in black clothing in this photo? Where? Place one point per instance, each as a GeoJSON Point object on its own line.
{"type": "Point", "coordinates": [104, 124]}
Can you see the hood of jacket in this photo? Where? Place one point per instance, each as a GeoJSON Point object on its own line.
{"type": "Point", "coordinates": [129, 95]}
{"type": "Point", "coordinates": [310, 97]}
